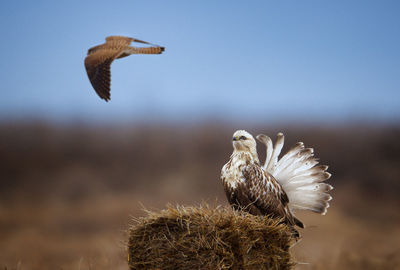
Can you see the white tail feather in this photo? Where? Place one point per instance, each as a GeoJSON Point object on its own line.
{"type": "Point", "coordinates": [299, 175]}
{"type": "Point", "coordinates": [272, 164]}
{"type": "Point", "coordinates": [269, 147]}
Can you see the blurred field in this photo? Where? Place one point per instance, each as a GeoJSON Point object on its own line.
{"type": "Point", "coordinates": [67, 191]}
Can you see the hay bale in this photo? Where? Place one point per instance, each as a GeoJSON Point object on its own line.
{"type": "Point", "coordinates": [208, 238]}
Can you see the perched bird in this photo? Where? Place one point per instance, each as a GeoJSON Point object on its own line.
{"type": "Point", "coordinates": [99, 59]}
{"type": "Point", "coordinates": [279, 187]}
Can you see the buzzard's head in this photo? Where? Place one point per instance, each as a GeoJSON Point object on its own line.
{"type": "Point", "coordinates": [243, 141]}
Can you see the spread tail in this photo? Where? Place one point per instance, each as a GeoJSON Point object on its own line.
{"type": "Point", "coordinates": [299, 175]}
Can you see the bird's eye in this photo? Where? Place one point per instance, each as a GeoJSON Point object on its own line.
{"type": "Point", "coordinates": [242, 138]}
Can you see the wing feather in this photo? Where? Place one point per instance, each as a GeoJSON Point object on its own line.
{"type": "Point", "coordinates": [98, 69]}
{"type": "Point", "coordinates": [268, 196]}
{"type": "Point", "coordinates": [99, 59]}
{"type": "Point", "coordinates": [264, 191]}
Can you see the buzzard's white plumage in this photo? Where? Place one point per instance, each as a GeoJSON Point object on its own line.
{"type": "Point", "coordinates": [280, 186]}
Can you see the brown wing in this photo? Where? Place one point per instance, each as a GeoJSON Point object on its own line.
{"type": "Point", "coordinates": [266, 193]}
{"type": "Point", "coordinates": [98, 70]}
{"type": "Point", "coordinates": [117, 43]}
{"type": "Point", "coordinates": [99, 60]}
{"type": "Point", "coordinates": [238, 198]}
{"type": "Point", "coordinates": [128, 39]}
{"type": "Point", "coordinates": [119, 39]}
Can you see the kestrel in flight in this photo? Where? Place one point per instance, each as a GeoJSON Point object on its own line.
{"type": "Point", "coordinates": [99, 59]}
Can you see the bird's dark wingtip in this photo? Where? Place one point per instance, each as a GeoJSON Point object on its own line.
{"type": "Point", "coordinates": [105, 98]}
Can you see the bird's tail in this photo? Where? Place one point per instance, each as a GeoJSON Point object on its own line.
{"type": "Point", "coordinates": [147, 50]}
{"type": "Point", "coordinates": [299, 175]}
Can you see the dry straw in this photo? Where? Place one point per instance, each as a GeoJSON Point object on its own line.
{"type": "Point", "coordinates": [207, 237]}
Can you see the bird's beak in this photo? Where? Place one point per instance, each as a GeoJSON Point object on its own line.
{"type": "Point", "coordinates": [236, 138]}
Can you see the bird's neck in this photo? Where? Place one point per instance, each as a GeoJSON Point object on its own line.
{"type": "Point", "coordinates": [247, 156]}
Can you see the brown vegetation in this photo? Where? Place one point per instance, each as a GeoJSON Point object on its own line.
{"type": "Point", "coordinates": [208, 238]}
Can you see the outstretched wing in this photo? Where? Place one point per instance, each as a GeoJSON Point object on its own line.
{"type": "Point", "coordinates": [99, 60]}
{"type": "Point", "coordinates": [98, 70]}
{"type": "Point", "coordinates": [119, 39]}
{"type": "Point", "coordinates": [127, 40]}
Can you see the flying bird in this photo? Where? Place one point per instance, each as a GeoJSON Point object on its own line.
{"type": "Point", "coordinates": [279, 186]}
{"type": "Point", "coordinates": [99, 59]}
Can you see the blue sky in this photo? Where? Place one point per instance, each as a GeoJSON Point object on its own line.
{"type": "Point", "coordinates": [254, 60]}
